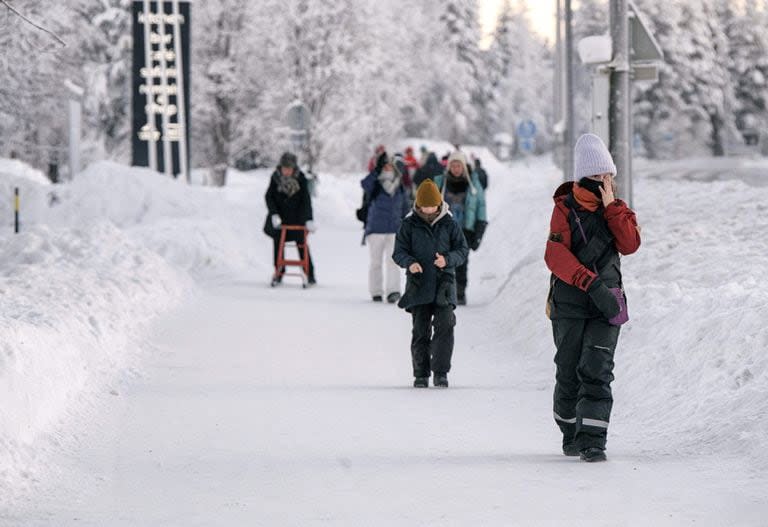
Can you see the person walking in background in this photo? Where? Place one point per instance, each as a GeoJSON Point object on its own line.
{"type": "Point", "coordinates": [388, 204]}
{"type": "Point", "coordinates": [430, 245]}
{"type": "Point", "coordinates": [429, 170]}
{"type": "Point", "coordinates": [482, 175]}
{"type": "Point", "coordinates": [423, 153]}
{"type": "Point", "coordinates": [411, 162]}
{"type": "Point", "coordinates": [289, 203]}
{"type": "Point", "coordinates": [586, 303]}
{"type": "Point", "coordinates": [401, 166]}
{"type": "Point", "coordinates": [464, 194]}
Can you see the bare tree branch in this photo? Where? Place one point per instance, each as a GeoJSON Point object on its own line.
{"type": "Point", "coordinates": [28, 21]}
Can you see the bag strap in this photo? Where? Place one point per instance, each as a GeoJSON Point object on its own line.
{"type": "Point", "coordinates": [583, 234]}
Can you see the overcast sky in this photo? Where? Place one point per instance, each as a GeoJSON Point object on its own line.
{"type": "Point", "coordinates": [542, 15]}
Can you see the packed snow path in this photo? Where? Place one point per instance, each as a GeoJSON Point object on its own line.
{"type": "Point", "coordinates": [294, 408]}
{"type": "Point", "coordinates": [272, 407]}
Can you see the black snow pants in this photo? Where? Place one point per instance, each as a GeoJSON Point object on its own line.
{"type": "Point", "coordinates": [462, 273]}
{"type": "Point", "coordinates": [584, 360]}
{"type": "Point", "coordinates": [432, 352]}
{"type": "Point", "coordinates": [293, 236]}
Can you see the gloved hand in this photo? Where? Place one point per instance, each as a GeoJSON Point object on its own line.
{"type": "Point", "coordinates": [276, 221]}
{"type": "Point", "coordinates": [603, 299]}
{"type": "Point", "coordinates": [382, 160]}
{"type": "Point", "coordinates": [311, 227]}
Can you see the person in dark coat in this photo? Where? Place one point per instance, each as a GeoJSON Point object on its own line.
{"type": "Point", "coordinates": [430, 245]}
{"type": "Point", "coordinates": [482, 175]}
{"type": "Point", "coordinates": [429, 170]}
{"type": "Point", "coordinates": [588, 231]}
{"type": "Point", "coordinates": [388, 204]}
{"type": "Point", "coordinates": [289, 203]}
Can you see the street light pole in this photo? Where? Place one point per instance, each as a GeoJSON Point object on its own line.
{"type": "Point", "coordinates": [569, 90]}
{"type": "Point", "coordinates": [620, 108]}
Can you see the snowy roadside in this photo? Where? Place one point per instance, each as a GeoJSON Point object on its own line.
{"type": "Point", "coordinates": [691, 368]}
{"type": "Point", "coordinates": [97, 260]}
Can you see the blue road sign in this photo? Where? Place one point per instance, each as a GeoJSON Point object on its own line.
{"type": "Point", "coordinates": [526, 129]}
{"type": "Point", "coordinates": [527, 144]}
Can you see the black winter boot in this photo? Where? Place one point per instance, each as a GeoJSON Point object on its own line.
{"type": "Point", "coordinates": [393, 297]}
{"type": "Point", "coordinates": [593, 455]}
{"type": "Point", "coordinates": [377, 298]}
{"type": "Point", "coordinates": [421, 382]}
{"type": "Point", "coordinates": [570, 449]}
{"type": "Point", "coordinates": [440, 380]}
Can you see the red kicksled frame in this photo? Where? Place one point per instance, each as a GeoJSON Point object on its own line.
{"type": "Point", "coordinates": [283, 262]}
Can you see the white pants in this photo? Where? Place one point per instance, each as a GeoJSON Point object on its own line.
{"type": "Point", "coordinates": [381, 247]}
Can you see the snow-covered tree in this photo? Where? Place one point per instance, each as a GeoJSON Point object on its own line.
{"type": "Point", "coordinates": [748, 65]}
{"type": "Point", "coordinates": [687, 111]}
{"type": "Point", "coordinates": [520, 66]}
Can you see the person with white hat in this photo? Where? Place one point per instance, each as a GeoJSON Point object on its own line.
{"type": "Point", "coordinates": [589, 229]}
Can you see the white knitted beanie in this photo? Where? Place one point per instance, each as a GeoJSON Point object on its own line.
{"type": "Point", "coordinates": [591, 157]}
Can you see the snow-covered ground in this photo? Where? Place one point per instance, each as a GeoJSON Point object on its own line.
{"type": "Point", "coordinates": [244, 405]}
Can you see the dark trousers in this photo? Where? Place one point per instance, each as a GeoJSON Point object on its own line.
{"type": "Point", "coordinates": [432, 351]}
{"type": "Point", "coordinates": [461, 278]}
{"type": "Point", "coordinates": [293, 236]}
{"type": "Point", "coordinates": [584, 360]}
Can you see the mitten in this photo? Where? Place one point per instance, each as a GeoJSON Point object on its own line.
{"type": "Point", "coordinates": [603, 299]}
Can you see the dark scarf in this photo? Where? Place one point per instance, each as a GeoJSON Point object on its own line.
{"type": "Point", "coordinates": [288, 185]}
{"type": "Point", "coordinates": [456, 185]}
{"type": "Point", "coordinates": [592, 186]}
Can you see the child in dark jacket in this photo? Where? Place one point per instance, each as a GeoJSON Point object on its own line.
{"type": "Point", "coordinates": [430, 245]}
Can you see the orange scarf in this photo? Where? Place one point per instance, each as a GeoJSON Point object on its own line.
{"type": "Point", "coordinates": [586, 199]}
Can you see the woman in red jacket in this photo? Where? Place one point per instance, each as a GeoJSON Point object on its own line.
{"type": "Point", "coordinates": [589, 229]}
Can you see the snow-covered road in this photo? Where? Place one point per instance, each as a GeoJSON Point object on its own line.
{"type": "Point", "coordinates": [290, 407]}
{"type": "Point", "coordinates": [270, 408]}
{"type": "Point", "coordinates": [285, 407]}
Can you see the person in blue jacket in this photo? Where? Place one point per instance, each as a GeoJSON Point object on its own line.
{"type": "Point", "coordinates": [462, 191]}
{"type": "Point", "coordinates": [387, 206]}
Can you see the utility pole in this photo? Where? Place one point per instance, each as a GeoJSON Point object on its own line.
{"type": "Point", "coordinates": [569, 93]}
{"type": "Point", "coordinates": [620, 107]}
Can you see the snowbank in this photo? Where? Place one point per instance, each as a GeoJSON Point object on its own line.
{"type": "Point", "coordinates": [691, 368]}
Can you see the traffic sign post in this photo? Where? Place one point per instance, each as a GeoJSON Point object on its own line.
{"type": "Point", "coordinates": [526, 136]}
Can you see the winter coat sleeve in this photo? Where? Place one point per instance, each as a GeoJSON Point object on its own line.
{"type": "Point", "coordinates": [402, 253]}
{"type": "Point", "coordinates": [623, 225]}
{"type": "Point", "coordinates": [558, 256]}
{"type": "Point", "coordinates": [306, 201]}
{"type": "Point", "coordinates": [271, 197]}
{"type": "Point", "coordinates": [482, 213]}
{"type": "Point", "coordinates": [459, 247]}
{"type": "Point", "coordinates": [369, 183]}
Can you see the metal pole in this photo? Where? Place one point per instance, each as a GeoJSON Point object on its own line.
{"type": "Point", "coordinates": [150, 83]}
{"type": "Point", "coordinates": [74, 137]}
{"type": "Point", "coordinates": [180, 96]}
{"type": "Point", "coordinates": [569, 99]}
{"type": "Point", "coordinates": [167, 148]}
{"type": "Point", "coordinates": [620, 98]}
{"type": "Point", "coordinates": [558, 81]}
{"type": "Point", "coordinates": [16, 207]}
